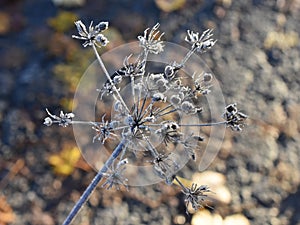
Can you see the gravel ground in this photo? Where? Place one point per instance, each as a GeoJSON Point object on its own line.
{"type": "Point", "coordinates": [256, 60]}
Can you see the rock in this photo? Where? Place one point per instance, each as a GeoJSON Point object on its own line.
{"type": "Point", "coordinates": [210, 178]}
{"type": "Point", "coordinates": [179, 219]}
{"type": "Point", "coordinates": [293, 110]}
{"type": "Point", "coordinates": [222, 194]}
{"type": "Point", "coordinates": [291, 128]}
{"type": "Point", "coordinates": [276, 114]}
{"type": "Point", "coordinates": [205, 217]}
{"type": "Point", "coordinates": [236, 219]}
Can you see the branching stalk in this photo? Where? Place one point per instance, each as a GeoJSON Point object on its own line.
{"type": "Point", "coordinates": [90, 189]}
{"type": "Point", "coordinates": [109, 79]}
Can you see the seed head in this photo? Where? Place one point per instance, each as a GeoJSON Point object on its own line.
{"type": "Point", "coordinates": [64, 119]}
{"type": "Point", "coordinates": [93, 35]}
{"type": "Point", "coordinates": [195, 196]}
{"type": "Point", "coordinates": [150, 41]}
{"type": "Point", "coordinates": [200, 43]}
{"type": "Point", "coordinates": [234, 118]}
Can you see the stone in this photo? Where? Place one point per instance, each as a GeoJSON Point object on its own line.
{"type": "Point", "coordinates": [236, 219]}
{"type": "Point", "coordinates": [205, 217]}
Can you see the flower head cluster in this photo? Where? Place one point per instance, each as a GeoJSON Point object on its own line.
{"type": "Point", "coordinates": [200, 43]}
{"type": "Point", "coordinates": [64, 119]}
{"type": "Point", "coordinates": [91, 36]}
{"type": "Point", "coordinates": [154, 108]}
{"type": "Point", "coordinates": [150, 41]}
{"type": "Point", "coordinates": [234, 118]}
{"type": "Point", "coordinates": [195, 196]}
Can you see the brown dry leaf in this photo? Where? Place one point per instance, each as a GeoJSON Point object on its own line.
{"type": "Point", "coordinates": [6, 213]}
{"type": "Point", "coordinates": [169, 5]}
{"type": "Point", "coordinates": [5, 23]}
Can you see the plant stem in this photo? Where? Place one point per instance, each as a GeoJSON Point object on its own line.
{"type": "Point", "coordinates": [108, 77]}
{"type": "Point", "coordinates": [180, 184]}
{"type": "Point", "coordinates": [90, 189]}
{"type": "Point", "coordinates": [203, 124]}
{"type": "Point", "coordinates": [187, 56]}
{"type": "Point", "coordinates": [193, 125]}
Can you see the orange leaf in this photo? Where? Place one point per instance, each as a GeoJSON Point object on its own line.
{"type": "Point", "coordinates": [6, 213]}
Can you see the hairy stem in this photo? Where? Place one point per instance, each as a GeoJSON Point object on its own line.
{"type": "Point", "coordinates": [90, 189]}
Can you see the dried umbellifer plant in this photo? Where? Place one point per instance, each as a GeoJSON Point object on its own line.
{"type": "Point", "coordinates": [149, 120]}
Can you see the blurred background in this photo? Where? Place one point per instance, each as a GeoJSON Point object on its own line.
{"type": "Point", "coordinates": [256, 174]}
